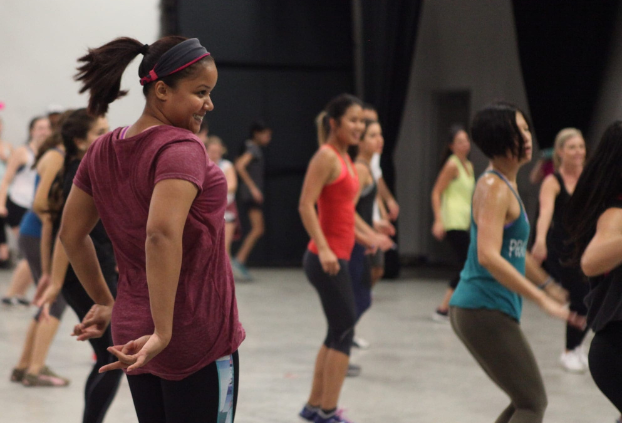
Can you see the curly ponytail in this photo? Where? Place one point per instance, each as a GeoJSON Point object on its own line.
{"type": "Point", "coordinates": [104, 66]}
{"type": "Point", "coordinates": [102, 71]}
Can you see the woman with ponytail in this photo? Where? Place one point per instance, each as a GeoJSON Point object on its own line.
{"type": "Point", "coordinates": [174, 321]}
{"type": "Point", "coordinates": [332, 183]}
{"type": "Point", "coordinates": [78, 133]}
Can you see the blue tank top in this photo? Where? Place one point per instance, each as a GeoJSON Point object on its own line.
{"type": "Point", "coordinates": [31, 224]}
{"type": "Point", "coordinates": [478, 289]}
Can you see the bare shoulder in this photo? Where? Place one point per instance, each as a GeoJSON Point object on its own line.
{"type": "Point", "coordinates": [492, 190]}
{"type": "Point", "coordinates": [550, 183]}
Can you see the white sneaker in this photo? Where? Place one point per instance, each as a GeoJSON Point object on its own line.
{"type": "Point", "coordinates": [571, 361]}
{"type": "Point", "coordinates": [360, 343]}
{"type": "Point", "coordinates": [440, 316]}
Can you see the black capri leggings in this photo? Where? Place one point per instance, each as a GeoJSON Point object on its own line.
{"type": "Point", "coordinates": [459, 241]}
{"type": "Point", "coordinates": [100, 388]}
{"type": "Point", "coordinates": [196, 399]}
{"type": "Point", "coordinates": [337, 299]}
{"type": "Point", "coordinates": [572, 279]}
{"type": "Point", "coordinates": [605, 360]}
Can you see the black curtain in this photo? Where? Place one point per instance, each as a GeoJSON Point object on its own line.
{"type": "Point", "coordinates": [389, 35]}
{"type": "Point", "coordinates": [564, 48]}
{"type": "Point", "coordinates": [279, 61]}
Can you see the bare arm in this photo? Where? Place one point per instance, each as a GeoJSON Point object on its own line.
{"type": "Point", "coordinates": [536, 174]}
{"type": "Point", "coordinates": [232, 180]}
{"type": "Point", "coordinates": [448, 173]}
{"type": "Point", "coordinates": [548, 192]}
{"type": "Point", "coordinates": [603, 252]}
{"type": "Point", "coordinates": [168, 212]}
{"type": "Point", "coordinates": [240, 165]}
{"type": "Point", "coordinates": [387, 197]}
{"type": "Point", "coordinates": [48, 167]}
{"type": "Point", "coordinates": [319, 173]}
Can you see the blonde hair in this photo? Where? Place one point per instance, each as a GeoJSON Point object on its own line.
{"type": "Point", "coordinates": [560, 140]}
{"type": "Point", "coordinates": [215, 139]}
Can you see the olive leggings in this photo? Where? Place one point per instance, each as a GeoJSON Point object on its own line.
{"type": "Point", "coordinates": [498, 344]}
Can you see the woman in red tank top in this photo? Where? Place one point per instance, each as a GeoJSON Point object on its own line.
{"type": "Point", "coordinates": [331, 182]}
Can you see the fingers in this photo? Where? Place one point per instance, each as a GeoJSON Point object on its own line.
{"type": "Point", "coordinates": [113, 366]}
{"type": "Point", "coordinates": [140, 361]}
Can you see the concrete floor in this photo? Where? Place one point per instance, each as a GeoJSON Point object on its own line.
{"type": "Point", "coordinates": [415, 371]}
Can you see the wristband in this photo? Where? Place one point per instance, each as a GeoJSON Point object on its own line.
{"type": "Point", "coordinates": [546, 282]}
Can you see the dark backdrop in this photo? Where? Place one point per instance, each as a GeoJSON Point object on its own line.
{"type": "Point", "coordinates": [279, 61]}
{"type": "Point", "coordinates": [564, 48]}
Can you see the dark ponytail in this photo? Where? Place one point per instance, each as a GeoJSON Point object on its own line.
{"type": "Point", "coordinates": [335, 109]}
{"type": "Point", "coordinates": [76, 126]}
{"type": "Point", "coordinates": [53, 140]}
{"type": "Point", "coordinates": [104, 66]}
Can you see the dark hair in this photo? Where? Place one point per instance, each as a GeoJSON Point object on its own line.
{"type": "Point", "coordinates": [32, 124]}
{"type": "Point", "coordinates": [54, 140]}
{"type": "Point", "coordinates": [454, 129]}
{"type": "Point", "coordinates": [599, 183]}
{"type": "Point", "coordinates": [353, 150]}
{"type": "Point", "coordinates": [76, 125]}
{"type": "Point", "coordinates": [495, 132]}
{"type": "Point", "coordinates": [257, 126]}
{"type": "Point", "coordinates": [104, 66]}
{"type": "Point", "coordinates": [368, 106]}
{"type": "Point", "coordinates": [335, 109]}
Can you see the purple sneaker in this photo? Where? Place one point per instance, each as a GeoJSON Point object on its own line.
{"type": "Point", "coordinates": [337, 417]}
{"type": "Point", "coordinates": [308, 413]}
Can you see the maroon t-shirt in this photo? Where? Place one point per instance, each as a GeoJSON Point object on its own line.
{"type": "Point", "coordinates": [121, 174]}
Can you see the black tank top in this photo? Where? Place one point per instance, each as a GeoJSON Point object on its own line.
{"type": "Point", "coordinates": [365, 206]}
{"type": "Point", "coordinates": [557, 237]}
{"type": "Point", "coordinates": [604, 301]}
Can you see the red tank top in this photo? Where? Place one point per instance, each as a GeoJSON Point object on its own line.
{"type": "Point", "coordinates": [336, 211]}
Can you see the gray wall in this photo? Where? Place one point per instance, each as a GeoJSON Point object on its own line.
{"type": "Point", "coordinates": [462, 44]}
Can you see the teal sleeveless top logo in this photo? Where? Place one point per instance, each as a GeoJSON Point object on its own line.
{"type": "Point", "coordinates": [478, 289]}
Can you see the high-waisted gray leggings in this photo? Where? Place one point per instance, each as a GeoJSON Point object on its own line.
{"type": "Point", "coordinates": [498, 344]}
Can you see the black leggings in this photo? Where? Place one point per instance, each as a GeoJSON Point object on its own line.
{"type": "Point", "coordinates": [100, 387]}
{"type": "Point", "coordinates": [337, 300]}
{"type": "Point", "coordinates": [360, 275]}
{"type": "Point", "coordinates": [605, 360]}
{"type": "Point", "coordinates": [195, 399]}
{"type": "Point", "coordinates": [572, 279]}
{"type": "Point", "coordinates": [459, 241]}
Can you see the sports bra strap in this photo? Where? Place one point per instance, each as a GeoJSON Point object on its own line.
{"type": "Point", "coordinates": [504, 179]}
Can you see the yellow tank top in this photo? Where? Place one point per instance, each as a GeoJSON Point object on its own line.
{"type": "Point", "coordinates": [456, 199]}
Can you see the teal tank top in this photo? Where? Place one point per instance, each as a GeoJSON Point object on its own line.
{"type": "Point", "coordinates": [478, 289]}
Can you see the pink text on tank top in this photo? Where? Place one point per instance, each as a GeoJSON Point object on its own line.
{"type": "Point", "coordinates": [336, 210]}
{"type": "Point", "coordinates": [120, 175]}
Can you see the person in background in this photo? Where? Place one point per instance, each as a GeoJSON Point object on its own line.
{"type": "Point", "coordinates": [386, 209]}
{"type": "Point", "coordinates": [6, 149]}
{"type": "Point", "coordinates": [451, 202]}
{"type": "Point", "coordinates": [215, 151]}
{"type": "Point", "coordinates": [78, 132]}
{"type": "Point", "coordinates": [250, 166]}
{"type": "Point", "coordinates": [552, 243]}
{"type": "Point", "coordinates": [17, 191]}
{"type": "Point", "coordinates": [543, 167]}
{"type": "Point", "coordinates": [54, 114]}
